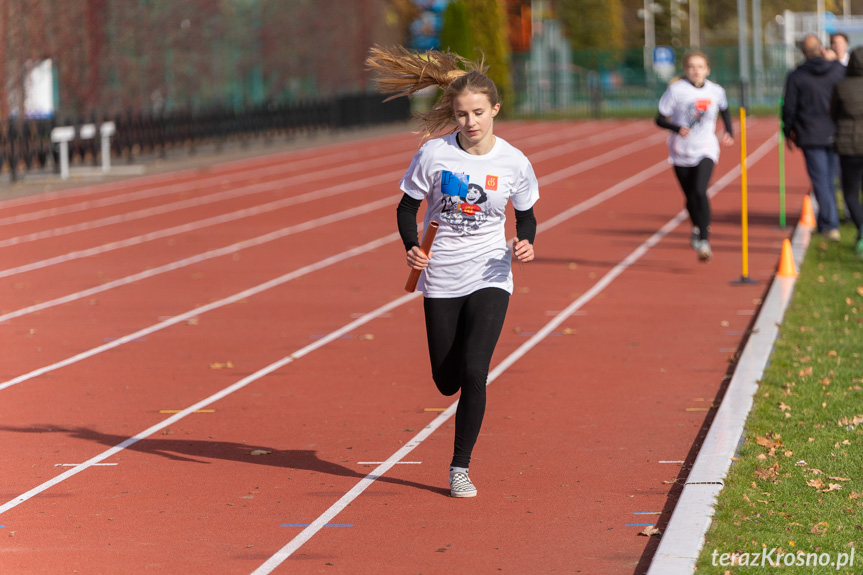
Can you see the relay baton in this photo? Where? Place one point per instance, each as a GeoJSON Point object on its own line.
{"type": "Point", "coordinates": [428, 238]}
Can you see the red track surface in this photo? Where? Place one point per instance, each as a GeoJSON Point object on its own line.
{"type": "Point", "coordinates": [576, 432]}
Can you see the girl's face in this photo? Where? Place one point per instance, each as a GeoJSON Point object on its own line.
{"type": "Point", "coordinates": [472, 195]}
{"type": "Point", "coordinates": [696, 70]}
{"type": "Point", "coordinates": [474, 115]}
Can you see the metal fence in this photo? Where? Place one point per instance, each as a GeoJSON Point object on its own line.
{"type": "Point", "coordinates": [26, 145]}
{"type": "Point", "coordinates": [607, 83]}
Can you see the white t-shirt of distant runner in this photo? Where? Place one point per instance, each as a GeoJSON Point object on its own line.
{"type": "Point", "coordinates": [695, 108]}
{"type": "Point", "coordinates": [467, 195]}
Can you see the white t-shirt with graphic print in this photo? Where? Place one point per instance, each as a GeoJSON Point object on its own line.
{"type": "Point", "coordinates": [467, 195]}
{"type": "Point", "coordinates": [697, 109]}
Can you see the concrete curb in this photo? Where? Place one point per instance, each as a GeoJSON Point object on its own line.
{"type": "Point", "coordinates": [683, 538]}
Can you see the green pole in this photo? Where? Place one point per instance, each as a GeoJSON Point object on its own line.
{"type": "Point", "coordinates": [781, 167]}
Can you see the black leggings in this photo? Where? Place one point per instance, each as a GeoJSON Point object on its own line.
{"type": "Point", "coordinates": [462, 334]}
{"type": "Point", "coordinates": [694, 181]}
{"type": "Point", "coordinates": [852, 180]}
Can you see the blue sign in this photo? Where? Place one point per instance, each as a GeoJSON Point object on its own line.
{"type": "Point", "coordinates": [663, 56]}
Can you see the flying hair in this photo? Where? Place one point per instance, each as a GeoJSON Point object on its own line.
{"type": "Point", "coordinates": [403, 73]}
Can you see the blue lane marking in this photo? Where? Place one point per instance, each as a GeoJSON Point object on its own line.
{"type": "Point", "coordinates": [307, 524]}
{"type": "Point", "coordinates": [639, 525]}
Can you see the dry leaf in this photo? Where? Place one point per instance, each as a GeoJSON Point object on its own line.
{"type": "Point", "coordinates": [783, 407]}
{"type": "Point", "coordinates": [816, 483]}
{"type": "Point", "coordinates": [855, 495]}
{"type": "Point", "coordinates": [769, 474]}
{"type": "Point", "coordinates": [260, 452]}
{"type": "Point", "coordinates": [819, 528]}
{"type": "Point", "coordinates": [839, 478]}
{"type": "Point", "coordinates": [860, 290]}
{"type": "Point", "coordinates": [227, 364]}
{"type": "Point", "coordinates": [650, 530]}
{"type": "Point", "coordinates": [806, 371]}
{"type": "Point", "coordinates": [367, 336]}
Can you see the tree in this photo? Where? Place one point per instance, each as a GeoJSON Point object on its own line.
{"type": "Point", "coordinates": [488, 24]}
{"type": "Point", "coordinates": [456, 33]}
{"type": "Point", "coordinates": [592, 24]}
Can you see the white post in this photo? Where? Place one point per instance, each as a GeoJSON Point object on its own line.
{"type": "Point", "coordinates": [107, 129]}
{"type": "Point", "coordinates": [694, 24]}
{"type": "Point", "coordinates": [63, 135]}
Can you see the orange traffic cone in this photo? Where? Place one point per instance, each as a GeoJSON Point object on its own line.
{"type": "Point", "coordinates": [786, 261]}
{"type": "Point", "coordinates": [807, 217]}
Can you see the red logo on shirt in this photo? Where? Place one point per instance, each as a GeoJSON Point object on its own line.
{"type": "Point", "coordinates": [491, 183]}
{"type": "Point", "coordinates": [702, 105]}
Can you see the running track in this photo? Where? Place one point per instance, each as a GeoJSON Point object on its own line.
{"type": "Point", "coordinates": [261, 300]}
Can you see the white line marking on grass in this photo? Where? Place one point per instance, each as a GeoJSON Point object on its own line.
{"type": "Point", "coordinates": [307, 533]}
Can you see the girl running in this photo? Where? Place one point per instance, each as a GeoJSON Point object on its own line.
{"type": "Point", "coordinates": [467, 177]}
{"type": "Point", "coordinates": [689, 108]}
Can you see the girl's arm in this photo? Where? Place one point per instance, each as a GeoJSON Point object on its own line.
{"type": "Point", "coordinates": [406, 215]}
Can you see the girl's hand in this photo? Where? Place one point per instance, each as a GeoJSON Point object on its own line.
{"type": "Point", "coordinates": [727, 139]}
{"type": "Point", "coordinates": [684, 131]}
{"type": "Point", "coordinates": [417, 259]}
{"type": "Point", "coordinates": [522, 250]}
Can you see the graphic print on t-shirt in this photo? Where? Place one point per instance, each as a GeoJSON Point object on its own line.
{"type": "Point", "coordinates": [461, 199]}
{"type": "Point", "coordinates": [697, 112]}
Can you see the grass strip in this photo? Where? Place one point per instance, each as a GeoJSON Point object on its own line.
{"type": "Point", "coordinates": [793, 499]}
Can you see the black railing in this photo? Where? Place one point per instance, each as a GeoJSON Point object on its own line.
{"type": "Point", "coordinates": [25, 145]}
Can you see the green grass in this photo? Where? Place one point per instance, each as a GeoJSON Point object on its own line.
{"type": "Point", "coordinates": [797, 483]}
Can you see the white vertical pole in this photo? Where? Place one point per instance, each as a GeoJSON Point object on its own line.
{"type": "Point", "coordinates": [757, 52]}
{"type": "Point", "coordinates": [694, 24]}
{"type": "Point", "coordinates": [743, 48]}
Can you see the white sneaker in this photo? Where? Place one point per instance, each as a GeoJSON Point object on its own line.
{"type": "Point", "coordinates": [695, 237]}
{"type": "Point", "coordinates": [704, 251]}
{"type": "Point", "coordinates": [461, 486]}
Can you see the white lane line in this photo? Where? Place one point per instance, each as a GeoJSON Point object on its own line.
{"type": "Point", "coordinates": [215, 175]}
{"type": "Point", "coordinates": [207, 222]}
{"type": "Point", "coordinates": [77, 464]}
{"type": "Point", "coordinates": [186, 204]}
{"type": "Point", "coordinates": [208, 401]}
{"type": "Point", "coordinates": [198, 258]}
{"type": "Point", "coordinates": [380, 462]}
{"type": "Point", "coordinates": [544, 180]}
{"type": "Point", "coordinates": [308, 532]}
{"type": "Point", "coordinates": [250, 189]}
{"type": "Point", "coordinates": [347, 254]}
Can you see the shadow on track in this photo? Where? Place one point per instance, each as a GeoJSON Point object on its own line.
{"type": "Point", "coordinates": [199, 452]}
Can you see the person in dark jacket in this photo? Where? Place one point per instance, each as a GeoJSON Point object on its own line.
{"type": "Point", "coordinates": [846, 109]}
{"type": "Point", "coordinates": [807, 125]}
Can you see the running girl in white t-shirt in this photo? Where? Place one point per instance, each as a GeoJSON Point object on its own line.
{"type": "Point", "coordinates": [467, 178]}
{"type": "Point", "coordinates": [689, 108]}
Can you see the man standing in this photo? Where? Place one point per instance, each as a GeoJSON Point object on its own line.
{"type": "Point", "coordinates": [807, 124]}
{"type": "Point", "coordinates": [839, 43]}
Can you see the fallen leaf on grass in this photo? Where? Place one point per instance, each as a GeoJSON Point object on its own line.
{"type": "Point", "coordinates": [806, 371]}
{"type": "Point", "coordinates": [860, 290]}
{"type": "Point", "coordinates": [816, 483]}
{"type": "Point", "coordinates": [853, 422]}
{"type": "Point", "coordinates": [769, 474]}
{"type": "Point", "coordinates": [768, 442]}
{"type": "Point", "coordinates": [783, 406]}
{"type": "Point", "coordinates": [855, 495]}
{"type": "Point", "coordinates": [839, 478]}
{"type": "Point", "coordinates": [819, 528]}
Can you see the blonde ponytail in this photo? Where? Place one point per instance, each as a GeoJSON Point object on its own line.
{"type": "Point", "coordinates": [403, 73]}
